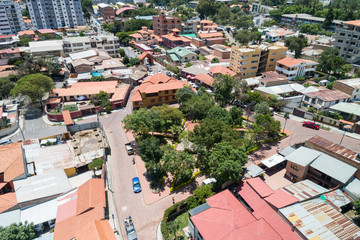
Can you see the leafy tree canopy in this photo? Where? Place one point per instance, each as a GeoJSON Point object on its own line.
{"type": "Point", "coordinates": [223, 89]}
{"type": "Point", "coordinates": [21, 231]}
{"type": "Point", "coordinates": [296, 44]}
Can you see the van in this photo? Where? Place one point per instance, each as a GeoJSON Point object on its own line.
{"type": "Point", "coordinates": [5, 141]}
{"type": "Point", "coordinates": [129, 149]}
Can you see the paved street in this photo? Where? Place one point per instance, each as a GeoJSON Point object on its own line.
{"type": "Point", "coordinates": [34, 126]}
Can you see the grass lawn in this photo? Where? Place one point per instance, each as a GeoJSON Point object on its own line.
{"type": "Point", "coordinates": [183, 222]}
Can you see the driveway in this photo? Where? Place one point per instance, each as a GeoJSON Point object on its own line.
{"type": "Point", "coordinates": [34, 126]}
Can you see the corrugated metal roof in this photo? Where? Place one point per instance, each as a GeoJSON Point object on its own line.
{"type": "Point", "coordinates": [333, 168]}
{"type": "Point", "coordinates": [304, 190]}
{"type": "Point", "coordinates": [303, 156]}
{"type": "Point", "coordinates": [336, 198]}
{"type": "Point", "coordinates": [353, 189]}
{"type": "Point", "coordinates": [350, 108]}
{"type": "Point", "coordinates": [273, 160]}
{"type": "Point", "coordinates": [198, 209]}
{"type": "Point", "coordinates": [286, 151]}
{"type": "Point", "coordinates": [254, 170]}
{"type": "Point", "coordinates": [281, 199]}
{"type": "Point", "coordinates": [333, 148]}
{"type": "Point", "coordinates": [316, 219]}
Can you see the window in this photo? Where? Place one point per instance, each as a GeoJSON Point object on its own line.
{"type": "Point", "coordinates": [160, 99]}
{"type": "Point", "coordinates": [271, 60]}
{"type": "Point", "coordinates": [294, 166]}
{"type": "Point", "coordinates": [166, 98]}
{"type": "Point", "coordinates": [174, 91]}
{"type": "Point", "coordinates": [320, 101]}
{"type": "Point", "coordinates": [166, 91]}
{"type": "Point", "coordinates": [152, 100]}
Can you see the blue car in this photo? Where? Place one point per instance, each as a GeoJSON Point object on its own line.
{"type": "Point", "coordinates": [136, 185]}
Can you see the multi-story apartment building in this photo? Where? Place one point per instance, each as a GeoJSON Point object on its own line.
{"type": "Point", "coordinates": [349, 86]}
{"type": "Point", "coordinates": [253, 60]}
{"type": "Point", "coordinates": [108, 43]}
{"type": "Point", "coordinates": [11, 20]}
{"type": "Point", "coordinates": [163, 24]}
{"type": "Point", "coordinates": [189, 27]}
{"type": "Point", "coordinates": [106, 11]}
{"type": "Point", "coordinates": [347, 40]}
{"type": "Point", "coordinates": [300, 18]}
{"type": "Point", "coordinates": [292, 67]}
{"type": "Point", "coordinates": [55, 13]}
{"type": "Point", "coordinates": [324, 99]}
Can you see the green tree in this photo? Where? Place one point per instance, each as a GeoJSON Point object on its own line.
{"type": "Point", "coordinates": [330, 85]}
{"type": "Point", "coordinates": [34, 86]}
{"type": "Point", "coordinates": [215, 60]}
{"type": "Point", "coordinates": [101, 99]}
{"type": "Point", "coordinates": [243, 37]}
{"type": "Point", "coordinates": [178, 164]}
{"type": "Point", "coordinates": [96, 164]}
{"type": "Point", "coordinates": [170, 115]}
{"type": "Point", "coordinates": [134, 61]}
{"type": "Point", "coordinates": [36, 64]}
{"type": "Point", "coordinates": [97, 78]}
{"type": "Point", "coordinates": [5, 88]}
{"type": "Point", "coordinates": [330, 62]}
{"type": "Point", "coordinates": [357, 207]}
{"type": "Point", "coordinates": [124, 38]}
{"type": "Point", "coordinates": [122, 52]}
{"type": "Point", "coordinates": [236, 116]}
{"type": "Point", "coordinates": [241, 91]}
{"type": "Point", "coordinates": [173, 68]}
{"type": "Point", "coordinates": [150, 149]}
{"type": "Point", "coordinates": [140, 121]}
{"type": "Point", "coordinates": [24, 41]}
{"type": "Point", "coordinates": [223, 89]}
{"type": "Point", "coordinates": [276, 15]}
{"type": "Point", "coordinates": [296, 44]}
{"type": "Point", "coordinates": [206, 8]}
{"type": "Point", "coordinates": [262, 108]}
{"type": "Point", "coordinates": [135, 24]}
{"type": "Point", "coordinates": [199, 105]}
{"type": "Point", "coordinates": [188, 64]}
{"type": "Point", "coordinates": [272, 127]}
{"type": "Point", "coordinates": [126, 60]}
{"type": "Point", "coordinates": [329, 17]}
{"type": "Point", "coordinates": [19, 231]}
{"type": "Point", "coordinates": [226, 162]}
{"type": "Point", "coordinates": [220, 113]}
{"type": "Point", "coordinates": [254, 97]}
{"type": "Point", "coordinates": [183, 95]}
{"type": "Point", "coordinates": [224, 12]}
{"type": "Point", "coordinates": [200, 195]}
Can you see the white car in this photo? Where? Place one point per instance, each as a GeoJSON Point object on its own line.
{"type": "Point", "coordinates": [208, 181]}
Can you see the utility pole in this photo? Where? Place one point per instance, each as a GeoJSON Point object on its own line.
{"type": "Point", "coordinates": [342, 138]}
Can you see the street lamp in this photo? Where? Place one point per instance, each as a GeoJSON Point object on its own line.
{"type": "Point", "coordinates": [286, 116]}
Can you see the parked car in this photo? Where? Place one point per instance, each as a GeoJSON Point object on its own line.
{"type": "Point", "coordinates": [311, 125]}
{"type": "Point", "coordinates": [130, 229]}
{"type": "Point", "coordinates": [240, 104]}
{"type": "Point", "coordinates": [5, 142]}
{"type": "Point", "coordinates": [129, 149]}
{"type": "Point", "coordinates": [208, 181]}
{"type": "Point", "coordinates": [136, 185]}
{"type": "Point", "coordinates": [168, 73]}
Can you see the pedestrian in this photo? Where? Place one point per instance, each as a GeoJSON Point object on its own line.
{"type": "Point", "coordinates": [173, 199]}
{"type": "Point", "coordinates": [159, 193]}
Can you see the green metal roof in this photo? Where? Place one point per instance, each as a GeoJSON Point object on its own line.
{"type": "Point", "coordinates": [350, 108]}
{"type": "Point", "coordinates": [173, 57]}
{"type": "Point", "coordinates": [180, 51]}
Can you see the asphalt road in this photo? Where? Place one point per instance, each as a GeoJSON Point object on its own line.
{"type": "Point", "coordinates": [34, 126]}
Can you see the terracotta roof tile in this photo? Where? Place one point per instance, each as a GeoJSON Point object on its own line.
{"type": "Point", "coordinates": [96, 230]}
{"type": "Point", "coordinates": [94, 84]}
{"type": "Point", "coordinates": [355, 23]}
{"type": "Point", "coordinates": [11, 161]}
{"type": "Point", "coordinates": [120, 93]}
{"type": "Point", "coordinates": [90, 194]}
{"type": "Point", "coordinates": [289, 62]}
{"type": "Point", "coordinates": [158, 78]}
{"type": "Point", "coordinates": [27, 32]}
{"type": "Point", "coordinates": [221, 69]}
{"type": "Point", "coordinates": [210, 35]}
{"type": "Point", "coordinates": [68, 228]}
{"type": "Point", "coordinates": [62, 92]}
{"type": "Point", "coordinates": [205, 78]}
{"type": "Point", "coordinates": [328, 95]}
{"type": "Point", "coordinates": [67, 117]}
{"type": "Point", "coordinates": [7, 201]}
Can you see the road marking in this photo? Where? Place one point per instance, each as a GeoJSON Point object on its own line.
{"type": "Point", "coordinates": [124, 208]}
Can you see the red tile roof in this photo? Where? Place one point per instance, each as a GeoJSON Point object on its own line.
{"type": "Point", "coordinates": [221, 69]}
{"type": "Point", "coordinates": [260, 187]}
{"type": "Point", "coordinates": [261, 210]}
{"type": "Point", "coordinates": [11, 50]}
{"type": "Point", "coordinates": [27, 32]}
{"type": "Point", "coordinates": [11, 161]}
{"type": "Point", "coordinates": [96, 230]}
{"type": "Point", "coordinates": [68, 228]}
{"type": "Point", "coordinates": [120, 93]}
{"type": "Point", "coordinates": [158, 78]}
{"type": "Point", "coordinates": [7, 201]}
{"type": "Point", "coordinates": [7, 36]}
{"type": "Point", "coordinates": [205, 78]}
{"type": "Point", "coordinates": [172, 37]}
{"type": "Point", "coordinates": [90, 194]}
{"type": "Point", "coordinates": [271, 77]}
{"type": "Point", "coordinates": [355, 23]}
{"type": "Point", "coordinates": [67, 118]}
{"type": "Point", "coordinates": [281, 199]}
{"type": "Point", "coordinates": [210, 35]}
{"type": "Point", "coordinates": [205, 21]}
{"type": "Point", "coordinates": [289, 62]}
{"type": "Point", "coordinates": [43, 31]}
{"type": "Point", "coordinates": [94, 84]}
{"type": "Point", "coordinates": [328, 95]}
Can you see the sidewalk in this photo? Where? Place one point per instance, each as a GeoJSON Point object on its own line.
{"type": "Point", "coordinates": [21, 125]}
{"type": "Point", "coordinates": [149, 196]}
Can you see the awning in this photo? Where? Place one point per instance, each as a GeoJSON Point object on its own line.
{"type": "Point", "coordinates": [273, 160]}
{"type": "Point", "coordinates": [254, 170]}
{"type": "Point", "coordinates": [67, 118]}
{"type": "Point", "coordinates": [346, 122]}
{"type": "Point", "coordinates": [81, 98]}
